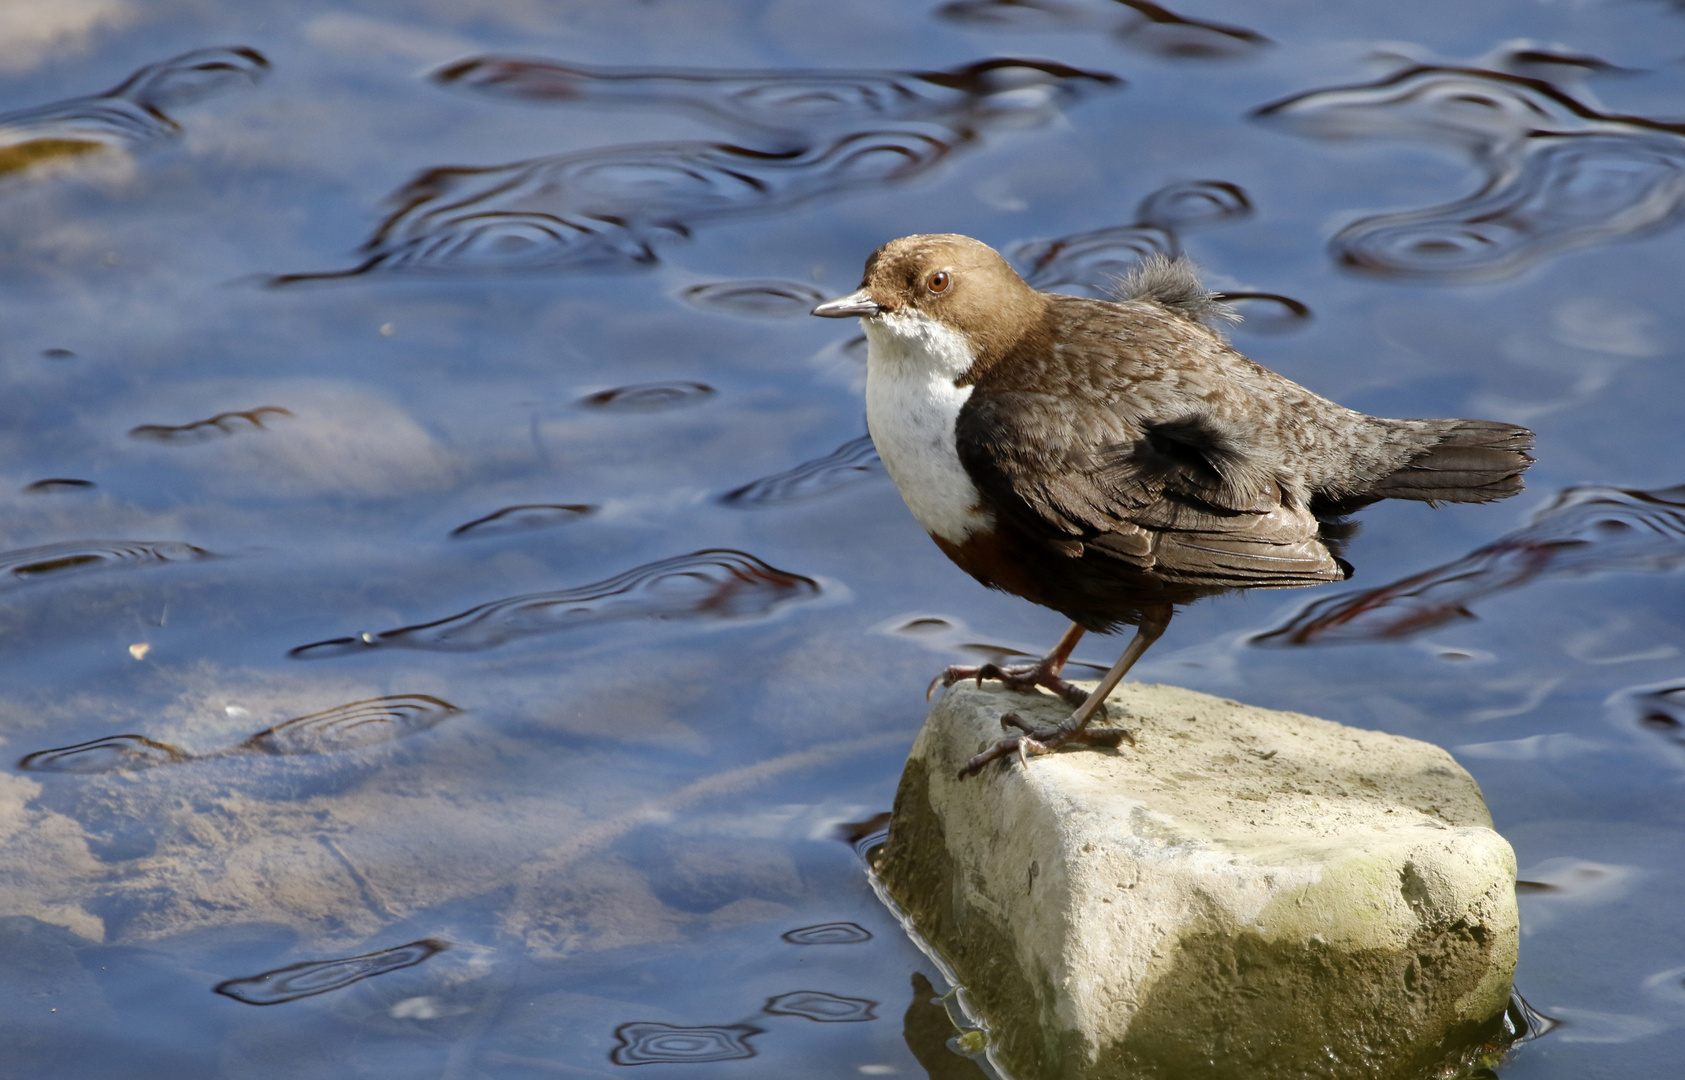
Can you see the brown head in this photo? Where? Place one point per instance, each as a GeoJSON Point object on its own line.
{"type": "Point", "coordinates": [960, 283]}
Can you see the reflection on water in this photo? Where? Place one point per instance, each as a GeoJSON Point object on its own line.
{"type": "Point", "coordinates": [128, 116]}
{"type": "Point", "coordinates": [57, 484]}
{"type": "Point", "coordinates": [527, 516]}
{"type": "Point", "coordinates": [347, 727]}
{"type": "Point", "coordinates": [1139, 23]}
{"type": "Point", "coordinates": [1560, 174]}
{"type": "Point", "coordinates": [610, 209]}
{"type": "Point", "coordinates": [761, 299]}
{"type": "Point", "coordinates": [222, 424]}
{"type": "Point", "coordinates": [714, 584]}
{"type": "Point", "coordinates": [837, 933]}
{"type": "Point", "coordinates": [1584, 531]}
{"type": "Point", "coordinates": [853, 461]}
{"type": "Point", "coordinates": [318, 977]}
{"type": "Point", "coordinates": [648, 1044]}
{"type": "Point", "coordinates": [823, 1007]}
{"type": "Point", "coordinates": [795, 104]}
{"type": "Point", "coordinates": [76, 556]}
{"type": "Point", "coordinates": [649, 397]}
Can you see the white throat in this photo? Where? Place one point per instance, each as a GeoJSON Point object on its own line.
{"type": "Point", "coordinates": [911, 405]}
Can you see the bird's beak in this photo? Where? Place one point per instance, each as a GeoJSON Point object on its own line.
{"type": "Point", "coordinates": [860, 303]}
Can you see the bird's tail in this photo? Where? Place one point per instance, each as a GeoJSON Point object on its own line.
{"type": "Point", "coordinates": [1474, 461]}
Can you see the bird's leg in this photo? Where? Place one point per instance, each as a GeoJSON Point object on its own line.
{"type": "Point", "coordinates": [1044, 672]}
{"type": "Point", "coordinates": [1074, 728]}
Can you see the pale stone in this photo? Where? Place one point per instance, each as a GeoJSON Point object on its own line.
{"type": "Point", "coordinates": [1242, 894]}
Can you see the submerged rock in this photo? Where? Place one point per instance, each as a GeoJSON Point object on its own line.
{"type": "Point", "coordinates": [1243, 894]}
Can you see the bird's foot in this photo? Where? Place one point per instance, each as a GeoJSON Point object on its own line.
{"type": "Point", "coordinates": [1017, 677]}
{"type": "Point", "coordinates": [1042, 740]}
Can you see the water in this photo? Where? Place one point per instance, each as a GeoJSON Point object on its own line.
{"type": "Point", "coordinates": [448, 606]}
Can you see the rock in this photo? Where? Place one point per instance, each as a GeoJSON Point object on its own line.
{"type": "Point", "coordinates": [1243, 894]}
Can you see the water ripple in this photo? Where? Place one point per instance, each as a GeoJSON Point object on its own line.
{"type": "Point", "coordinates": [823, 1007]}
{"type": "Point", "coordinates": [1559, 173]}
{"type": "Point", "coordinates": [130, 115]}
{"type": "Point", "coordinates": [794, 103]}
{"type": "Point", "coordinates": [853, 461]}
{"type": "Point", "coordinates": [648, 1043]}
{"type": "Point", "coordinates": [218, 426]}
{"type": "Point", "coordinates": [649, 397]}
{"type": "Point", "coordinates": [1140, 23]}
{"type": "Point", "coordinates": [113, 754]}
{"type": "Point", "coordinates": [608, 209]}
{"type": "Point", "coordinates": [349, 727]}
{"type": "Point", "coordinates": [318, 977]}
{"type": "Point", "coordinates": [761, 299]}
{"type": "Point", "coordinates": [524, 517]}
{"type": "Point", "coordinates": [1585, 530]}
{"type": "Point", "coordinates": [55, 484]}
{"type": "Point", "coordinates": [831, 933]}
{"type": "Point", "coordinates": [715, 583]}
{"type": "Point", "coordinates": [75, 556]}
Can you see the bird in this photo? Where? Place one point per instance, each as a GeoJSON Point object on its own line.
{"type": "Point", "coordinates": [1114, 460]}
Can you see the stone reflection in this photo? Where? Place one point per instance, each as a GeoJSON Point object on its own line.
{"type": "Point", "coordinates": [931, 1035]}
{"type": "Point", "coordinates": [1586, 530]}
{"type": "Point", "coordinates": [318, 977]}
{"type": "Point", "coordinates": [648, 1043]}
{"type": "Point", "coordinates": [1138, 23]}
{"type": "Point", "coordinates": [822, 1007]}
{"type": "Point", "coordinates": [715, 583]}
{"type": "Point", "coordinates": [1560, 174]}
{"type": "Point", "coordinates": [130, 115]}
{"type": "Point", "coordinates": [218, 426]}
{"type": "Point", "coordinates": [607, 209]}
{"type": "Point", "coordinates": [853, 461]}
{"type": "Point", "coordinates": [346, 727]}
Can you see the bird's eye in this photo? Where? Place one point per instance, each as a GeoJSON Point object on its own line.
{"type": "Point", "coordinates": [938, 282]}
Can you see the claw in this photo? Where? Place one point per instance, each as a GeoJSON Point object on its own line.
{"type": "Point", "coordinates": [931, 689]}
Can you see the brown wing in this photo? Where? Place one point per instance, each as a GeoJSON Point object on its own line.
{"type": "Point", "coordinates": [1151, 494]}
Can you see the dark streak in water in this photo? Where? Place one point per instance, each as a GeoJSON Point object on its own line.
{"type": "Point", "coordinates": [1585, 531]}
{"type": "Point", "coordinates": [320, 976]}
{"type": "Point", "coordinates": [647, 1043]}
{"type": "Point", "coordinates": [57, 484]}
{"type": "Point", "coordinates": [760, 299]}
{"type": "Point", "coordinates": [794, 104]}
{"type": "Point", "coordinates": [523, 518]}
{"type": "Point", "coordinates": [349, 727]}
{"type": "Point", "coordinates": [1559, 174]}
{"type": "Point", "coordinates": [833, 933]}
{"type": "Point", "coordinates": [1142, 24]}
{"type": "Point", "coordinates": [113, 754]}
{"type": "Point", "coordinates": [1525, 1023]}
{"type": "Point", "coordinates": [714, 583]}
{"type": "Point", "coordinates": [1268, 313]}
{"type": "Point", "coordinates": [130, 115]}
{"type": "Point", "coordinates": [28, 564]}
{"type": "Point", "coordinates": [649, 397]}
{"type": "Point", "coordinates": [853, 461]}
{"type": "Point", "coordinates": [218, 426]}
{"type": "Point", "coordinates": [822, 1007]}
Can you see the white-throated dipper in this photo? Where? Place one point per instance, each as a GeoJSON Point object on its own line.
{"type": "Point", "coordinates": [1112, 460]}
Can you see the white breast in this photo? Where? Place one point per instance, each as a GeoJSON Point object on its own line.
{"type": "Point", "coordinates": [911, 406]}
